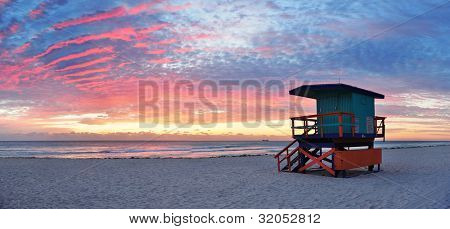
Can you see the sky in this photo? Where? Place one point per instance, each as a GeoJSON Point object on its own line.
{"type": "Point", "coordinates": [72, 70]}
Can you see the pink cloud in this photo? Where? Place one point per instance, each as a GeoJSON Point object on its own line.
{"type": "Point", "coordinates": [94, 86]}
{"type": "Point", "coordinates": [156, 51]}
{"type": "Point", "coordinates": [174, 8]}
{"type": "Point", "coordinates": [22, 48]}
{"type": "Point", "coordinates": [93, 51]}
{"type": "Point", "coordinates": [125, 34]}
{"type": "Point", "coordinates": [4, 2]}
{"type": "Point", "coordinates": [86, 79]}
{"type": "Point", "coordinates": [14, 28]}
{"type": "Point", "coordinates": [37, 12]}
{"type": "Point", "coordinates": [200, 36]}
{"type": "Point", "coordinates": [120, 91]}
{"type": "Point", "coordinates": [144, 7]}
{"type": "Point", "coordinates": [162, 61]}
{"type": "Point", "coordinates": [116, 12]}
{"type": "Point", "coordinates": [141, 45]}
{"type": "Point", "coordinates": [85, 72]}
{"type": "Point", "coordinates": [4, 54]}
{"type": "Point", "coordinates": [154, 28]}
{"type": "Point", "coordinates": [9, 76]}
{"type": "Point", "coordinates": [11, 29]}
{"type": "Point", "coordinates": [87, 64]}
{"type": "Point", "coordinates": [183, 50]}
{"type": "Point", "coordinates": [267, 51]}
{"type": "Point", "coordinates": [32, 71]}
{"type": "Point", "coordinates": [121, 65]}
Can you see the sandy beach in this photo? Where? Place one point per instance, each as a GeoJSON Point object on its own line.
{"type": "Point", "coordinates": [410, 178]}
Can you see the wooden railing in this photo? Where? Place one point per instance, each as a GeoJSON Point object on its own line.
{"type": "Point", "coordinates": [380, 127]}
{"type": "Point", "coordinates": [315, 123]}
{"type": "Point", "coordinates": [285, 154]}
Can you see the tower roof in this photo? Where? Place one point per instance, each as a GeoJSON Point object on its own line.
{"type": "Point", "coordinates": [312, 91]}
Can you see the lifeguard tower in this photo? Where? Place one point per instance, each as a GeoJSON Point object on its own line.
{"type": "Point", "coordinates": [345, 124]}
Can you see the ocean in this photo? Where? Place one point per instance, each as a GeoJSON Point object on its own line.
{"type": "Point", "coordinates": [156, 149]}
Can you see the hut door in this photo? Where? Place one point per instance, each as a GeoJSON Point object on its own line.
{"type": "Point", "coordinates": [328, 104]}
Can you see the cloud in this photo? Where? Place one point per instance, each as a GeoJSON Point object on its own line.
{"type": "Point", "coordinates": [88, 52]}
{"type": "Point", "coordinates": [125, 34]}
{"type": "Point", "coordinates": [116, 12]}
{"type": "Point", "coordinates": [22, 48]}
{"type": "Point", "coordinates": [85, 72]}
{"type": "Point", "coordinates": [144, 7]}
{"type": "Point", "coordinates": [90, 55]}
{"type": "Point", "coordinates": [157, 51]}
{"type": "Point", "coordinates": [174, 8]}
{"type": "Point", "coordinates": [38, 11]}
{"type": "Point", "coordinates": [162, 61]}
{"type": "Point", "coordinates": [86, 80]}
{"type": "Point", "coordinates": [4, 2]}
{"type": "Point", "coordinates": [105, 59]}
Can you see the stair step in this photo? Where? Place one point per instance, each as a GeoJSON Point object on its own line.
{"type": "Point", "coordinates": [295, 159]}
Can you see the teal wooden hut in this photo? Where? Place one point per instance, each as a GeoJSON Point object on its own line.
{"type": "Point", "coordinates": [342, 98]}
{"type": "Point", "coordinates": [345, 119]}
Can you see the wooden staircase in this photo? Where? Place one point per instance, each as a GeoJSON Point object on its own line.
{"type": "Point", "coordinates": [301, 157]}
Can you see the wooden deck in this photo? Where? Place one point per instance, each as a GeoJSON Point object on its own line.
{"type": "Point", "coordinates": [342, 134]}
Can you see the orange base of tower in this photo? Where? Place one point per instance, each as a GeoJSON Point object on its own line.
{"type": "Point", "coordinates": [352, 159]}
{"type": "Point", "coordinates": [335, 161]}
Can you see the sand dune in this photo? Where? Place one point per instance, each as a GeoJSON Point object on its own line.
{"type": "Point", "coordinates": [411, 178]}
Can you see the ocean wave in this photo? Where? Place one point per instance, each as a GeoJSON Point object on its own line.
{"type": "Point", "coordinates": [188, 150]}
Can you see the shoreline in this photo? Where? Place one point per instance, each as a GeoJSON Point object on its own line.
{"type": "Point", "coordinates": [204, 157]}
